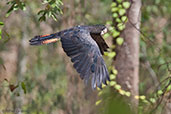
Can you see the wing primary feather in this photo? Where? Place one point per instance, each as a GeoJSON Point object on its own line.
{"type": "Point", "coordinates": [85, 66]}
{"type": "Point", "coordinates": [107, 74]}
{"type": "Point", "coordinates": [104, 76]}
{"type": "Point", "coordinates": [80, 64]}
{"type": "Point", "coordinates": [77, 63]}
{"type": "Point", "coordinates": [87, 77]}
{"type": "Point", "coordinates": [87, 72]}
{"type": "Point", "coordinates": [93, 81]}
{"type": "Point", "coordinates": [98, 78]}
{"type": "Point", "coordinates": [101, 76]}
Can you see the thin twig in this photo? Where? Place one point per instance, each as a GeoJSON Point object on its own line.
{"type": "Point", "coordinates": [167, 78]}
{"type": "Point", "coordinates": [162, 97]}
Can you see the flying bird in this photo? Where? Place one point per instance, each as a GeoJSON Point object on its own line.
{"type": "Point", "coordinates": [85, 46]}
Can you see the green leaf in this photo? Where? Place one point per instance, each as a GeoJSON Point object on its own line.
{"type": "Point", "coordinates": [111, 29]}
{"type": "Point", "coordinates": [52, 9]}
{"type": "Point", "coordinates": [114, 9]}
{"type": "Point", "coordinates": [152, 100]}
{"type": "Point", "coordinates": [128, 94]}
{"type": "Point", "coordinates": [122, 12]}
{"type": "Point", "coordinates": [119, 1]}
{"type": "Point", "coordinates": [136, 97]}
{"type": "Point", "coordinates": [115, 15]}
{"type": "Point", "coordinates": [100, 93]}
{"type": "Point", "coordinates": [1, 23]}
{"type": "Point", "coordinates": [42, 18]}
{"type": "Point", "coordinates": [54, 17]}
{"type": "Point", "coordinates": [122, 92]}
{"type": "Point", "coordinates": [22, 5]}
{"type": "Point", "coordinates": [52, 2]}
{"type": "Point", "coordinates": [168, 88]}
{"type": "Point", "coordinates": [160, 92]}
{"type": "Point", "coordinates": [119, 41]}
{"type": "Point", "coordinates": [112, 76]}
{"type": "Point", "coordinates": [142, 97]}
{"type": "Point", "coordinates": [112, 83]}
{"type": "Point", "coordinates": [10, 10]}
{"type": "Point", "coordinates": [124, 18]}
{"type": "Point", "coordinates": [40, 12]}
{"type": "Point", "coordinates": [103, 85]}
{"type": "Point", "coordinates": [113, 4]}
{"type": "Point", "coordinates": [119, 6]}
{"type": "Point", "coordinates": [111, 54]}
{"type": "Point", "coordinates": [145, 101]}
{"type": "Point", "coordinates": [15, 7]}
{"type": "Point", "coordinates": [98, 102]}
{"type": "Point", "coordinates": [121, 26]}
{"type": "Point", "coordinates": [115, 34]}
{"type": "Point", "coordinates": [117, 87]}
{"type": "Point", "coordinates": [118, 20]}
{"type": "Point", "coordinates": [23, 87]}
{"type": "Point", "coordinates": [114, 71]}
{"type": "Point", "coordinates": [126, 5]}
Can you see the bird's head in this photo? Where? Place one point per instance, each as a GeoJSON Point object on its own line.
{"type": "Point", "coordinates": [103, 31]}
{"type": "Point", "coordinates": [98, 29]}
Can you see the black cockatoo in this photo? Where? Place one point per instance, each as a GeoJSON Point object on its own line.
{"type": "Point", "coordinates": [85, 46]}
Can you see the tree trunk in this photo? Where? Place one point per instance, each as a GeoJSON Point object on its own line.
{"type": "Point", "coordinates": [127, 57]}
{"type": "Point", "coordinates": [21, 64]}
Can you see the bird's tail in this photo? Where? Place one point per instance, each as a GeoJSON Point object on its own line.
{"type": "Point", "coordinates": [44, 39]}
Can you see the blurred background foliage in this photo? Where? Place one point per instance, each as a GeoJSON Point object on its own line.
{"type": "Point", "coordinates": [41, 80]}
{"type": "Point", "coordinates": [155, 56]}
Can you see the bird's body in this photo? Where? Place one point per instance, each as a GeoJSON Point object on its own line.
{"type": "Point", "coordinates": [85, 46]}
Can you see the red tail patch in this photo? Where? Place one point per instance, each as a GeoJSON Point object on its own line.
{"type": "Point", "coordinates": [44, 35]}
{"type": "Point", "coordinates": [49, 41]}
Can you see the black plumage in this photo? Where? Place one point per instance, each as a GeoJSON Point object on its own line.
{"type": "Point", "coordinates": [85, 46]}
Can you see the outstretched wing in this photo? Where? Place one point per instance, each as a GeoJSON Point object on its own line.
{"type": "Point", "coordinates": [85, 54]}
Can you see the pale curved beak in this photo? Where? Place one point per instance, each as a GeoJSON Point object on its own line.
{"type": "Point", "coordinates": [103, 31]}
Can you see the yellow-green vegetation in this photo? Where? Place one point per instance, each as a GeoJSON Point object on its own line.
{"type": "Point", "coordinates": [116, 26]}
